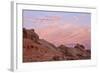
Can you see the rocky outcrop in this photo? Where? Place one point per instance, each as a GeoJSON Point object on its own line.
{"type": "Point", "coordinates": [30, 34]}
{"type": "Point", "coordinates": [78, 52]}
{"type": "Point", "coordinates": [37, 50]}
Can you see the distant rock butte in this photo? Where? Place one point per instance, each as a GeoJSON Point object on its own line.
{"type": "Point", "coordinates": [38, 50]}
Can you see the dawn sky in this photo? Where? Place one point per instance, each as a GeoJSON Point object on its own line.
{"type": "Point", "coordinates": [59, 28]}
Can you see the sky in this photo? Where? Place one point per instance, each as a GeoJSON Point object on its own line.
{"type": "Point", "coordinates": [60, 28]}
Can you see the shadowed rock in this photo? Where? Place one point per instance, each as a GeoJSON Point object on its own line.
{"type": "Point", "coordinates": [78, 52]}
{"type": "Point", "coordinates": [30, 34]}
{"type": "Point", "coordinates": [79, 46]}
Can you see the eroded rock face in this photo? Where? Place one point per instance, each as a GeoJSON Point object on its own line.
{"type": "Point", "coordinates": [30, 34]}
{"type": "Point", "coordinates": [78, 52]}
{"type": "Point", "coordinates": [79, 46]}
{"type": "Point", "coordinates": [38, 50]}
{"type": "Point", "coordinates": [35, 49]}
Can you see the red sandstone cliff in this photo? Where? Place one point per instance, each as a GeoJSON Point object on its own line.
{"type": "Point", "coordinates": [36, 50]}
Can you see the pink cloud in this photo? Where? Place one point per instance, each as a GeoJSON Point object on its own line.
{"type": "Point", "coordinates": [58, 33]}
{"type": "Point", "coordinates": [65, 34]}
{"type": "Point", "coordinates": [57, 30]}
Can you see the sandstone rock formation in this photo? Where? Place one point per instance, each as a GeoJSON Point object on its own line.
{"type": "Point", "coordinates": [30, 34]}
{"type": "Point", "coordinates": [37, 50]}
